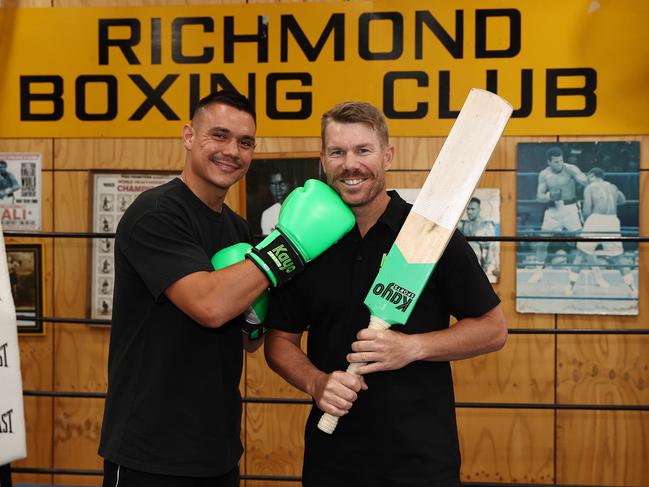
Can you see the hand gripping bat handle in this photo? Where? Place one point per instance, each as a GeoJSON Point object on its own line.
{"type": "Point", "coordinates": [328, 422]}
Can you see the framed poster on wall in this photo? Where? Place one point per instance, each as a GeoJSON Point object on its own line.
{"type": "Point", "coordinates": [20, 190]}
{"type": "Point", "coordinates": [481, 218]}
{"type": "Point", "coordinates": [575, 189]}
{"type": "Point", "coordinates": [112, 193]}
{"type": "Point", "coordinates": [270, 179]}
{"type": "Point", "coordinates": [25, 265]}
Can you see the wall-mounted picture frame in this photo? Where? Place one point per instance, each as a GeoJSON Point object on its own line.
{"type": "Point", "coordinates": [578, 189]}
{"type": "Point", "coordinates": [481, 218]}
{"type": "Point", "coordinates": [25, 265]}
{"type": "Point", "coordinates": [20, 191]}
{"type": "Point", "coordinates": [112, 193]}
{"type": "Point", "coordinates": [269, 180]}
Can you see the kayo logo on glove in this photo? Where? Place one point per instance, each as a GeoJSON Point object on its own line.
{"type": "Point", "coordinates": [395, 294]}
{"type": "Point", "coordinates": [282, 258]}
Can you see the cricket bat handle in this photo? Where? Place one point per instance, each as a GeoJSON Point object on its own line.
{"type": "Point", "coordinates": [328, 422]}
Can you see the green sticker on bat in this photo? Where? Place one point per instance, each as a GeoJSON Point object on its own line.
{"type": "Point", "coordinates": [397, 288]}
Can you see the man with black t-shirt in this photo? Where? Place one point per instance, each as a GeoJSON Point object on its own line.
{"type": "Point", "coordinates": [173, 409]}
{"type": "Point", "coordinates": [399, 425]}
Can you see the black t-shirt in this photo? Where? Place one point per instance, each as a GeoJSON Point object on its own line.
{"type": "Point", "coordinates": [173, 404]}
{"type": "Point", "coordinates": [402, 430]}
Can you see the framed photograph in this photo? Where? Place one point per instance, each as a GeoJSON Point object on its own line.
{"type": "Point", "coordinates": [481, 218]}
{"type": "Point", "coordinates": [25, 264]}
{"type": "Point", "coordinates": [269, 180]}
{"type": "Point", "coordinates": [112, 193]}
{"type": "Point", "coordinates": [20, 190]}
{"type": "Point", "coordinates": [578, 189]}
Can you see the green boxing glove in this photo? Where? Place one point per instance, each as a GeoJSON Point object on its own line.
{"type": "Point", "coordinates": [311, 220]}
{"type": "Point", "coordinates": [256, 313]}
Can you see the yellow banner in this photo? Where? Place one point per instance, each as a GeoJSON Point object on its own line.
{"type": "Point", "coordinates": [576, 67]}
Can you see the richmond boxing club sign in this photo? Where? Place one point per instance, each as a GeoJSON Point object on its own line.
{"type": "Point", "coordinates": [569, 68]}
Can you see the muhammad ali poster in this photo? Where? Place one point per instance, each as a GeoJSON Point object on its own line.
{"type": "Point", "coordinates": [578, 189]}
{"type": "Point", "coordinates": [268, 181]}
{"type": "Point", "coordinates": [20, 191]}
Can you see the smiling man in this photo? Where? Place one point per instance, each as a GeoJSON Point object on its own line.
{"type": "Point", "coordinates": [401, 430]}
{"type": "Point", "coordinates": [173, 409]}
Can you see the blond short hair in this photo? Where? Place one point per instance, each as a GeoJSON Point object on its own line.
{"type": "Point", "coordinates": [356, 112]}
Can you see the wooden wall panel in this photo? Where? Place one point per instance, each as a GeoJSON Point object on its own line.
{"type": "Point", "coordinates": [71, 254]}
{"type": "Point", "coordinates": [419, 153]}
{"type": "Point", "coordinates": [414, 153]}
{"type": "Point", "coordinates": [287, 145]}
{"type": "Point", "coordinates": [522, 372]}
{"type": "Point", "coordinates": [81, 351]}
{"type": "Point", "coordinates": [120, 154]}
{"type": "Point", "coordinates": [38, 433]}
{"type": "Point", "coordinates": [42, 146]}
{"type": "Point", "coordinates": [603, 369]}
{"type": "Point", "coordinates": [506, 445]}
{"type": "Point", "coordinates": [76, 436]}
{"type": "Point", "coordinates": [275, 438]}
{"type": "Point", "coordinates": [602, 447]}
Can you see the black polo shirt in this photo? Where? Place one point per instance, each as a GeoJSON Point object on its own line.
{"type": "Point", "coordinates": [402, 430]}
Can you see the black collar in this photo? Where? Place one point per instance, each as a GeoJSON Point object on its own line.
{"type": "Point", "coordinates": [396, 212]}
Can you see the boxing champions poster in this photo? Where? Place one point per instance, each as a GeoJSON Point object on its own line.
{"type": "Point", "coordinates": [112, 195]}
{"type": "Point", "coordinates": [578, 189]}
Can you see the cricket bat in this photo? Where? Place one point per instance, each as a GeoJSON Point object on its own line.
{"type": "Point", "coordinates": [434, 215]}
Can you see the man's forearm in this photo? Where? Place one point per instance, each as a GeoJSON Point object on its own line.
{"type": "Point", "coordinates": [467, 338]}
{"type": "Point", "coordinates": [286, 358]}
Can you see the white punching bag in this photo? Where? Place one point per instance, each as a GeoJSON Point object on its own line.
{"type": "Point", "coordinates": [12, 416]}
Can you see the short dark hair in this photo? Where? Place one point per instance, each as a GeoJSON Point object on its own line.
{"type": "Point", "coordinates": [597, 172]}
{"type": "Point", "coordinates": [553, 152]}
{"type": "Point", "coordinates": [3, 163]}
{"type": "Point", "coordinates": [475, 200]}
{"type": "Point", "coordinates": [226, 97]}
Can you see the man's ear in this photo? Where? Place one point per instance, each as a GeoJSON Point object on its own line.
{"type": "Point", "coordinates": [388, 157]}
{"type": "Point", "coordinates": [188, 136]}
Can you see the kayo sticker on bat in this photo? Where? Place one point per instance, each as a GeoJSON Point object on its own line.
{"type": "Point", "coordinates": [434, 215]}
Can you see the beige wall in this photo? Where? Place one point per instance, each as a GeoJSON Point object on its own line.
{"type": "Point", "coordinates": [502, 445]}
